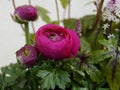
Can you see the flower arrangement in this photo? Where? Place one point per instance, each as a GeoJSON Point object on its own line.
{"type": "Point", "coordinates": [80, 54]}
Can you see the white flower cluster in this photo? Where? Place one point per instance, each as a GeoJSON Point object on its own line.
{"type": "Point", "coordinates": [112, 11]}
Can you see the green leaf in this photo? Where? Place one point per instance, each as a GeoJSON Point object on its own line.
{"type": "Point", "coordinates": [110, 43]}
{"type": "Point", "coordinates": [62, 79]}
{"type": "Point", "coordinates": [64, 3]}
{"type": "Point", "coordinates": [99, 56]}
{"type": "Point", "coordinates": [43, 73]}
{"type": "Point", "coordinates": [94, 73]}
{"type": "Point", "coordinates": [93, 39]}
{"type": "Point", "coordinates": [115, 83]}
{"type": "Point", "coordinates": [48, 82]}
{"type": "Point", "coordinates": [85, 46]}
{"type": "Point", "coordinates": [52, 78]}
{"type": "Point", "coordinates": [69, 23]}
{"type": "Point", "coordinates": [43, 13]}
{"type": "Point", "coordinates": [13, 76]}
{"type": "Point", "coordinates": [87, 22]}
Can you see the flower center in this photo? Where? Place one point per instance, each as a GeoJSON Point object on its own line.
{"type": "Point", "coordinates": [26, 52]}
{"type": "Point", "coordinates": [55, 36]}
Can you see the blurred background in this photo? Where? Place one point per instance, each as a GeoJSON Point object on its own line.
{"type": "Point", "coordinates": [11, 34]}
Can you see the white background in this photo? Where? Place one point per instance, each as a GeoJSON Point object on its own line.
{"type": "Point", "coordinates": [11, 35]}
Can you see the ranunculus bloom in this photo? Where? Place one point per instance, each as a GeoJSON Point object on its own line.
{"type": "Point", "coordinates": [26, 12]}
{"type": "Point", "coordinates": [57, 43]}
{"type": "Point", "coordinates": [27, 55]}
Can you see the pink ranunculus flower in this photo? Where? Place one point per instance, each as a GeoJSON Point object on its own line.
{"type": "Point", "coordinates": [27, 55]}
{"type": "Point", "coordinates": [26, 12]}
{"type": "Point", "coordinates": [56, 42]}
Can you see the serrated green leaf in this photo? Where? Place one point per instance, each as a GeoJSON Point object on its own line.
{"type": "Point", "coordinates": [52, 78]}
{"type": "Point", "coordinates": [43, 73]}
{"type": "Point", "coordinates": [48, 82]}
{"type": "Point", "coordinates": [43, 13]}
{"type": "Point", "coordinates": [62, 79]}
{"type": "Point", "coordinates": [64, 3]}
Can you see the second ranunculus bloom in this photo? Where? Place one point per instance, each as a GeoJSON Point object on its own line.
{"type": "Point", "coordinates": [55, 42]}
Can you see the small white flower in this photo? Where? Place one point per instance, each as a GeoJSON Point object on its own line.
{"type": "Point", "coordinates": [106, 26]}
{"type": "Point", "coordinates": [116, 29]}
{"type": "Point", "coordinates": [111, 36]}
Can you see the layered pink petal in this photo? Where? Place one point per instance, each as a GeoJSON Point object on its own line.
{"type": "Point", "coordinates": [56, 43]}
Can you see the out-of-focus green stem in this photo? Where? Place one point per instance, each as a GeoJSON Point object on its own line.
{"type": "Point", "coordinates": [69, 9]}
{"type": "Point", "coordinates": [29, 1]}
{"type": "Point", "coordinates": [58, 18]}
{"type": "Point", "coordinates": [27, 34]}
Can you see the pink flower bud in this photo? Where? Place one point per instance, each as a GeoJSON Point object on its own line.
{"type": "Point", "coordinates": [27, 55]}
{"type": "Point", "coordinates": [26, 12]}
{"type": "Point", "coordinates": [57, 43]}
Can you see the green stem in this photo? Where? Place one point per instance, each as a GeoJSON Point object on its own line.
{"type": "Point", "coordinates": [27, 34]}
{"type": "Point", "coordinates": [58, 18]}
{"type": "Point", "coordinates": [69, 9]}
{"type": "Point", "coordinates": [29, 1]}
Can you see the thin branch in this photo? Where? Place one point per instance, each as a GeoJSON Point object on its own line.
{"type": "Point", "coordinates": [98, 16]}
{"type": "Point", "coordinates": [57, 10]}
{"type": "Point", "coordinates": [14, 5]}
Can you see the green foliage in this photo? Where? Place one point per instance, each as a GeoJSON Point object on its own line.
{"type": "Point", "coordinates": [43, 13]}
{"type": "Point", "coordinates": [93, 72]}
{"type": "Point", "coordinates": [87, 48]}
{"type": "Point", "coordinates": [69, 23]}
{"type": "Point", "coordinates": [115, 83]}
{"type": "Point", "coordinates": [87, 23]}
{"type": "Point", "coordinates": [96, 67]}
{"type": "Point", "coordinates": [53, 78]}
{"type": "Point", "coordinates": [13, 77]}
